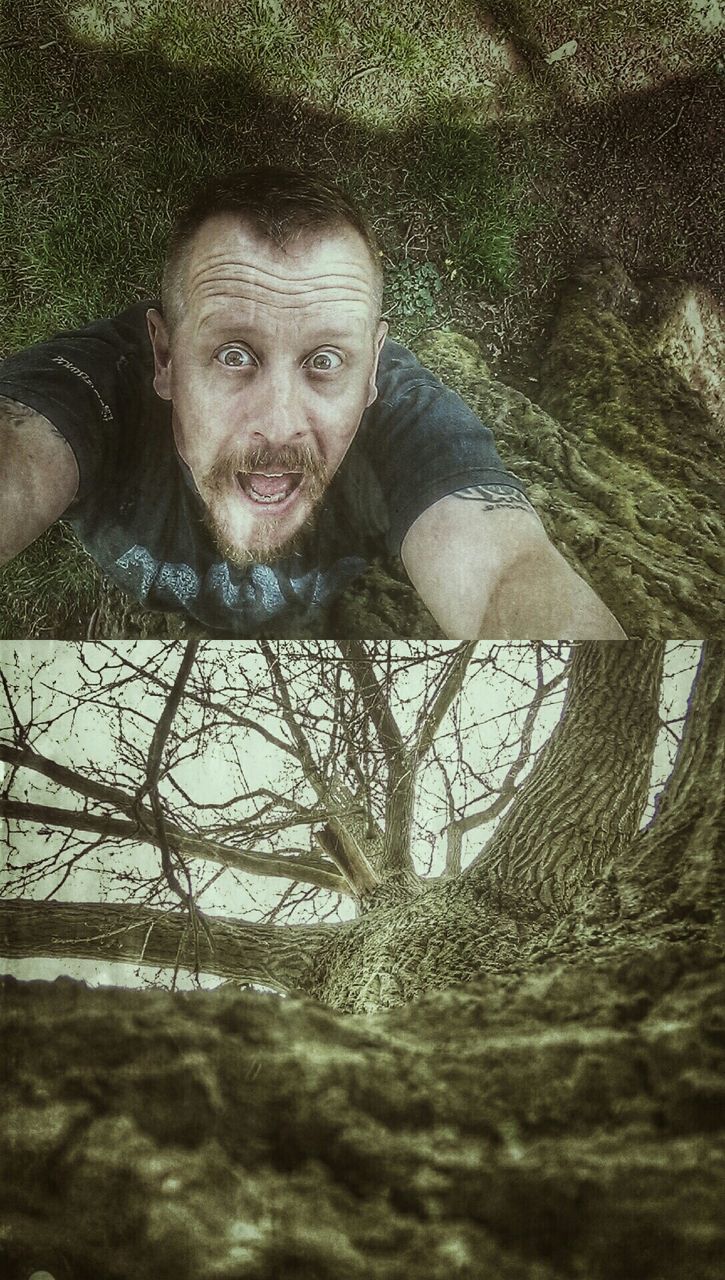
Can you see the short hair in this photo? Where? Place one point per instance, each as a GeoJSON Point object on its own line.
{"type": "Point", "coordinates": [277, 202]}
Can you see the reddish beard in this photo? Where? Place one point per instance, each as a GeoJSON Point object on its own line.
{"type": "Point", "coordinates": [267, 542]}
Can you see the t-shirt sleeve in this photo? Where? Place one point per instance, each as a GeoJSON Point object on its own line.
{"type": "Point", "coordinates": [424, 442]}
{"type": "Point", "coordinates": [81, 382]}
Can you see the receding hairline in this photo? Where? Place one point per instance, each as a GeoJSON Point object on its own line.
{"type": "Point", "coordinates": [283, 239]}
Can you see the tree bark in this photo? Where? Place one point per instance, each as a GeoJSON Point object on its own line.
{"type": "Point", "coordinates": [565, 1121]}
{"type": "Point", "coordinates": [581, 805]}
{"type": "Point", "coordinates": [278, 956]}
{"type": "Point", "coordinates": [622, 462]}
{"type": "Point", "coordinates": [680, 854]}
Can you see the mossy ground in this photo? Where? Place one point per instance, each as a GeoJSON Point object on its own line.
{"type": "Point", "coordinates": [487, 171]}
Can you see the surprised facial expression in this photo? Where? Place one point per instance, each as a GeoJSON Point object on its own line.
{"type": "Point", "coordinates": [269, 371]}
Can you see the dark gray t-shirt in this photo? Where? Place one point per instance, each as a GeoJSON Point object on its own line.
{"type": "Point", "coordinates": [138, 512]}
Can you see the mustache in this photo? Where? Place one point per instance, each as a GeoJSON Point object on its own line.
{"type": "Point", "coordinates": [294, 459]}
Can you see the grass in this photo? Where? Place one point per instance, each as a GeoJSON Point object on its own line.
{"type": "Point", "coordinates": [111, 110]}
{"type": "Point", "coordinates": [50, 590]}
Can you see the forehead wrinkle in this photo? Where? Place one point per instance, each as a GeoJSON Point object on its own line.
{"type": "Point", "coordinates": [305, 272]}
{"type": "Point", "coordinates": [323, 298]}
{"type": "Point", "coordinates": [258, 286]}
{"type": "Point", "coordinates": [314, 306]}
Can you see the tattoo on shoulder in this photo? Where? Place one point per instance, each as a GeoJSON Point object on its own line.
{"type": "Point", "coordinates": [15, 414]}
{"type": "Point", "coordinates": [496, 495]}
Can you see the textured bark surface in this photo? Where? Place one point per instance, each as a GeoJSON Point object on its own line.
{"type": "Point", "coordinates": [677, 862]}
{"type": "Point", "coordinates": [563, 1121]}
{"type": "Point", "coordinates": [280, 958]}
{"type": "Point", "coordinates": [585, 797]}
{"type": "Point", "coordinates": [546, 1101]}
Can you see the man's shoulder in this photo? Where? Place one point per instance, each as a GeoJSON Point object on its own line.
{"type": "Point", "coordinates": [94, 384]}
{"type": "Point", "coordinates": [102, 354]}
{"type": "Point", "coordinates": [399, 370]}
{"type": "Point", "coordinates": [125, 329]}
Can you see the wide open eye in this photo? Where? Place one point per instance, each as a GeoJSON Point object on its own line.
{"type": "Point", "coordinates": [232, 356]}
{"type": "Point", "coordinates": [324, 361]}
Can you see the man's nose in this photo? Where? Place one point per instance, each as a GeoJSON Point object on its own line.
{"type": "Point", "coordinates": [279, 417]}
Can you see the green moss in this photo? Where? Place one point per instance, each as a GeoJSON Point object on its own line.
{"type": "Point", "coordinates": [602, 377]}
{"type": "Point", "coordinates": [456, 359]}
{"type": "Point", "coordinates": [624, 466]}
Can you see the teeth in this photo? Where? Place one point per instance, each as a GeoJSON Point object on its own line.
{"type": "Point", "coordinates": [259, 497]}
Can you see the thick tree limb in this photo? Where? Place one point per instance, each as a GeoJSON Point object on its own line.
{"type": "Point", "coordinates": [403, 757]}
{"type": "Point", "coordinates": [397, 857]}
{"type": "Point", "coordinates": [683, 843]}
{"type": "Point", "coordinates": [169, 855]}
{"type": "Point", "coordinates": [580, 807]}
{"type": "Point", "coordinates": [27, 758]}
{"type": "Point", "coordinates": [459, 827]}
{"type": "Point", "coordinates": [446, 696]}
{"type": "Point", "coordinates": [279, 956]}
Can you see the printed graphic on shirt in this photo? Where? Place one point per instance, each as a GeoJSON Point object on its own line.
{"type": "Point", "coordinates": [106, 414]}
{"type": "Point", "coordinates": [262, 593]}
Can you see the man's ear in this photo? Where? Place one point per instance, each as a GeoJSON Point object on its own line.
{"type": "Point", "coordinates": [159, 336]}
{"type": "Point", "coordinates": [372, 385]}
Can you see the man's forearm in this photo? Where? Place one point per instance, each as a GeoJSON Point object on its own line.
{"type": "Point", "coordinates": [540, 597]}
{"type": "Point", "coordinates": [483, 564]}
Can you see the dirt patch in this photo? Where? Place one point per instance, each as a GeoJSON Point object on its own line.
{"type": "Point", "coordinates": [634, 179]}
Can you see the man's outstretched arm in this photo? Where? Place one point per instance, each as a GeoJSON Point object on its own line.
{"type": "Point", "coordinates": [482, 562]}
{"type": "Point", "coordinates": [38, 476]}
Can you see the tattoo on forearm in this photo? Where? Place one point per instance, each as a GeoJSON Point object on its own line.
{"type": "Point", "coordinates": [496, 495]}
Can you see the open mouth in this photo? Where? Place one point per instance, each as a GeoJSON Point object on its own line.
{"type": "Point", "coordinates": [269, 488]}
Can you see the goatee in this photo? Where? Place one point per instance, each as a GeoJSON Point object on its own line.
{"type": "Point", "coordinates": [267, 542]}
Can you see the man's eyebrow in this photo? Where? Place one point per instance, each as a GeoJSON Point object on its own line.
{"type": "Point", "coordinates": [238, 326]}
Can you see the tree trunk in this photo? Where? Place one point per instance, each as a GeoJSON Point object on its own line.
{"type": "Point", "coordinates": [565, 1121]}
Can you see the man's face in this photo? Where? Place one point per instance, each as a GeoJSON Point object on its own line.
{"type": "Point", "coordinates": [269, 371]}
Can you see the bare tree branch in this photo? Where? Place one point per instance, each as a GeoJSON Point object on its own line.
{"type": "Point", "coordinates": [446, 696]}
{"type": "Point", "coordinates": [459, 827]}
{"type": "Point", "coordinates": [344, 848]}
{"type": "Point", "coordinates": [151, 785]}
{"type": "Point", "coordinates": [360, 666]}
{"type": "Point", "coordinates": [305, 869]}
